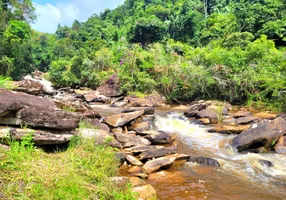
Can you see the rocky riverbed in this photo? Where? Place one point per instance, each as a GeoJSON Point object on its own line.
{"type": "Point", "coordinates": [206, 149]}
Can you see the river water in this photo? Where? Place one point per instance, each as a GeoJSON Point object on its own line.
{"type": "Point", "coordinates": [241, 176]}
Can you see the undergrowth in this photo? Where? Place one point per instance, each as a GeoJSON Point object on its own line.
{"type": "Point", "coordinates": [81, 172]}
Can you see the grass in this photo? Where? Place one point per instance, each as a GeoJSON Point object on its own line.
{"type": "Point", "coordinates": [138, 94]}
{"type": "Point", "coordinates": [83, 171]}
{"type": "Point", "coordinates": [6, 83]}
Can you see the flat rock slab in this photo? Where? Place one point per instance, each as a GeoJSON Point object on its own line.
{"type": "Point", "coordinates": [140, 149]}
{"type": "Point", "coordinates": [121, 119]}
{"type": "Point", "coordinates": [133, 160]}
{"type": "Point", "coordinates": [229, 129]}
{"type": "Point", "coordinates": [157, 164]}
{"type": "Point", "coordinates": [179, 156]}
{"type": "Point", "coordinates": [265, 115]}
{"type": "Point", "coordinates": [242, 114]}
{"type": "Point", "coordinates": [129, 140]}
{"type": "Point", "coordinates": [245, 120]}
{"type": "Point", "coordinates": [140, 127]}
{"type": "Point", "coordinates": [40, 137]}
{"type": "Point", "coordinates": [158, 152]}
{"type": "Point", "coordinates": [263, 134]}
{"type": "Point", "coordinates": [18, 108]}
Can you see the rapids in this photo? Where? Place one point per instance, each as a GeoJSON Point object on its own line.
{"type": "Point", "coordinates": [241, 176]}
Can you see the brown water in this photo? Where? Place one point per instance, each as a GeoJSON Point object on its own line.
{"type": "Point", "coordinates": [241, 176]}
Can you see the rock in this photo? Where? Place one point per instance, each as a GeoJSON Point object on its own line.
{"type": "Point", "coordinates": [265, 115]}
{"type": "Point", "coordinates": [266, 163]}
{"type": "Point", "coordinates": [110, 90]}
{"type": "Point", "coordinates": [205, 161]}
{"type": "Point", "coordinates": [120, 180]}
{"type": "Point", "coordinates": [117, 130]}
{"type": "Point", "coordinates": [280, 147]}
{"type": "Point", "coordinates": [242, 114]}
{"type": "Point", "coordinates": [158, 152]}
{"type": "Point", "coordinates": [245, 120]}
{"type": "Point", "coordinates": [18, 108]}
{"type": "Point", "coordinates": [40, 137]}
{"type": "Point", "coordinates": [140, 149]}
{"type": "Point", "coordinates": [97, 124]}
{"type": "Point", "coordinates": [118, 120]}
{"type": "Point", "coordinates": [140, 127]}
{"type": "Point", "coordinates": [205, 120]}
{"type": "Point", "coordinates": [91, 114]}
{"type": "Point", "coordinates": [121, 156]}
{"type": "Point", "coordinates": [207, 113]}
{"type": "Point", "coordinates": [95, 96]}
{"type": "Point", "coordinates": [229, 129]}
{"type": "Point", "coordinates": [100, 137]}
{"type": "Point", "coordinates": [4, 147]}
{"type": "Point", "coordinates": [29, 87]}
{"type": "Point", "coordinates": [134, 169]}
{"type": "Point", "coordinates": [133, 160]}
{"type": "Point", "coordinates": [135, 181]}
{"type": "Point", "coordinates": [141, 175]}
{"type": "Point", "coordinates": [145, 192]}
{"type": "Point", "coordinates": [179, 156]}
{"type": "Point", "coordinates": [157, 137]}
{"type": "Point", "coordinates": [120, 104]}
{"type": "Point", "coordinates": [262, 134]}
{"type": "Point", "coordinates": [194, 108]}
{"type": "Point", "coordinates": [147, 111]}
{"type": "Point", "coordinates": [157, 164]}
{"type": "Point", "coordinates": [131, 140]}
{"type": "Point", "coordinates": [224, 111]}
{"type": "Point", "coordinates": [148, 101]}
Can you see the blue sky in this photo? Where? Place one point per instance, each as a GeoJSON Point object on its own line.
{"type": "Point", "coordinates": [50, 13]}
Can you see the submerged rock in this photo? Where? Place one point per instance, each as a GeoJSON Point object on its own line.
{"type": "Point", "coordinates": [205, 161]}
{"type": "Point", "coordinates": [145, 192]}
{"type": "Point", "coordinates": [157, 164]}
{"type": "Point", "coordinates": [263, 134]}
{"type": "Point", "coordinates": [121, 119]}
{"type": "Point", "coordinates": [266, 163]}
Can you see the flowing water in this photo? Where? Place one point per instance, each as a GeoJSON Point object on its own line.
{"type": "Point", "coordinates": [241, 176]}
{"type": "Point", "coordinates": [47, 84]}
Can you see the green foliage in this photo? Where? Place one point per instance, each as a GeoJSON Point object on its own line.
{"type": "Point", "coordinates": [81, 172]}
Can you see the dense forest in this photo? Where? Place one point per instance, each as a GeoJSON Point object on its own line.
{"type": "Point", "coordinates": [231, 50]}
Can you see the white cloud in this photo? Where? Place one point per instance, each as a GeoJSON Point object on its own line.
{"type": "Point", "coordinates": [64, 13]}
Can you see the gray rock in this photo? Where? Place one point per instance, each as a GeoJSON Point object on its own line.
{"type": "Point", "coordinates": [158, 152]}
{"type": "Point", "coordinates": [121, 119]}
{"type": "Point", "coordinates": [133, 160]}
{"type": "Point", "coordinates": [205, 161]}
{"type": "Point", "coordinates": [129, 140]}
{"type": "Point", "coordinates": [157, 164]}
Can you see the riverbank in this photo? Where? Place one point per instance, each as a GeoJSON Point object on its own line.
{"type": "Point", "coordinates": [205, 147]}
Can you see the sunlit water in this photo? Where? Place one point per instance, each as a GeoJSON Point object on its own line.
{"type": "Point", "coordinates": [241, 176]}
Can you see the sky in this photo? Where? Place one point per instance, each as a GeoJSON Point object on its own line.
{"type": "Point", "coordinates": [50, 13]}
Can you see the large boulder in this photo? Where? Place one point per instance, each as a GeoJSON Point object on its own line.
{"type": "Point", "coordinates": [110, 90]}
{"type": "Point", "coordinates": [262, 134]}
{"type": "Point", "coordinates": [29, 86]}
{"type": "Point", "coordinates": [208, 113]}
{"type": "Point", "coordinates": [157, 164]}
{"type": "Point", "coordinates": [157, 137]}
{"type": "Point", "coordinates": [40, 137]}
{"type": "Point", "coordinates": [18, 108]}
{"type": "Point", "coordinates": [129, 140]}
{"type": "Point", "coordinates": [121, 119]}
